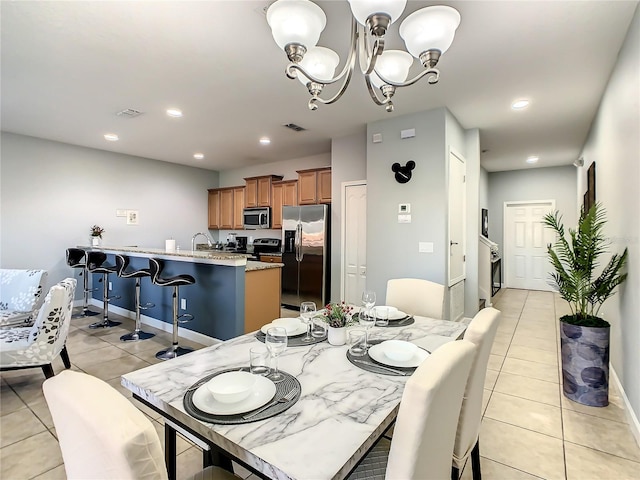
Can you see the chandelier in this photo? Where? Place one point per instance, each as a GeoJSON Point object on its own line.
{"type": "Point", "coordinates": [296, 26]}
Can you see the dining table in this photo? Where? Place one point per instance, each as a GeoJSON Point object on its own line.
{"type": "Point", "coordinates": [341, 412]}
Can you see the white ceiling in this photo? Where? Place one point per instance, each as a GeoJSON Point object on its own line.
{"type": "Point", "coordinates": [68, 67]}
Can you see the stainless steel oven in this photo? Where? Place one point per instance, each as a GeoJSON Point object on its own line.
{"type": "Point", "coordinates": [259, 217]}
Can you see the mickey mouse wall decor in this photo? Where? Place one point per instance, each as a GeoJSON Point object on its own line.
{"type": "Point", "coordinates": [403, 174]}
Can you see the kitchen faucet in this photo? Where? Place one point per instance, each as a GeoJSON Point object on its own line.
{"type": "Point", "coordinates": [193, 240]}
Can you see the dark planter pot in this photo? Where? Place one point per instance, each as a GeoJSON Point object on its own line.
{"type": "Point", "coordinates": [585, 364]}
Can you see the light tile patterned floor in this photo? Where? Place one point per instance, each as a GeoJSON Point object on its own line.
{"type": "Point", "coordinates": [529, 429]}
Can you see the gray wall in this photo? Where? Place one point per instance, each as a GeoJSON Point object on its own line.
{"type": "Point", "coordinates": [614, 144]}
{"type": "Point", "coordinates": [348, 163]}
{"type": "Point", "coordinates": [553, 183]}
{"type": "Point", "coordinates": [471, 292]}
{"type": "Point", "coordinates": [52, 193]}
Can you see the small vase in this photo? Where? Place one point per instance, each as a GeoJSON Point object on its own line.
{"type": "Point", "coordinates": [337, 336]}
{"type": "Point", "coordinates": [95, 241]}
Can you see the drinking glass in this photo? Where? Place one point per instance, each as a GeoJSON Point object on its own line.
{"type": "Point", "coordinates": [318, 328]}
{"type": "Point", "coordinates": [276, 342]}
{"type": "Point", "coordinates": [367, 319]}
{"type": "Point", "coordinates": [258, 361]}
{"type": "Point", "coordinates": [307, 312]}
{"type": "Point", "coordinates": [382, 316]}
{"type": "Point", "coordinates": [357, 346]}
{"type": "Point", "coordinates": [368, 299]}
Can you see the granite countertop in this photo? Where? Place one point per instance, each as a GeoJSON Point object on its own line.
{"type": "Point", "coordinates": [203, 256]}
{"type": "Point", "coordinates": [253, 266]}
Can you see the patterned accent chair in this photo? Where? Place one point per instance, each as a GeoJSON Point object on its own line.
{"type": "Point", "coordinates": [40, 344]}
{"type": "Point", "coordinates": [21, 295]}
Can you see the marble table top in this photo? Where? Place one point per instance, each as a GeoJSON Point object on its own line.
{"type": "Point", "coordinates": [341, 412]}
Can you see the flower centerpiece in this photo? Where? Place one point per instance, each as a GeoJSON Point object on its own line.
{"type": "Point", "coordinates": [338, 315]}
{"type": "Point", "coordinates": [97, 231]}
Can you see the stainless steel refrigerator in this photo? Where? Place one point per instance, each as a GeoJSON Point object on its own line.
{"type": "Point", "coordinates": [305, 254]}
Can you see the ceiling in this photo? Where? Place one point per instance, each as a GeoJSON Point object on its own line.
{"type": "Point", "coordinates": [68, 67]}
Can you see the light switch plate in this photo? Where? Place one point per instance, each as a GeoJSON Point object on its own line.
{"type": "Point", "coordinates": [376, 138]}
{"type": "Point", "coordinates": [425, 247]}
{"type": "Point", "coordinates": [409, 133]}
{"type": "Point", "coordinates": [404, 218]}
{"type": "Point", "coordinates": [121, 212]}
{"type": "Point", "coordinates": [404, 208]}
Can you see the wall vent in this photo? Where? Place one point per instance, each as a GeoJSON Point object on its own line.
{"type": "Point", "coordinates": [294, 127]}
{"type": "Point", "coordinates": [129, 113]}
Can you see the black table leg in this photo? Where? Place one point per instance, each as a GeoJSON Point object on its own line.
{"type": "Point", "coordinates": [217, 458]}
{"type": "Point", "coordinates": [170, 451]}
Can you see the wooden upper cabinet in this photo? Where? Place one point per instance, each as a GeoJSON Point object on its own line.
{"type": "Point", "coordinates": [282, 193]}
{"type": "Point", "coordinates": [314, 186]}
{"type": "Point", "coordinates": [238, 207]}
{"type": "Point", "coordinates": [214, 209]}
{"type": "Point", "coordinates": [258, 190]}
{"type": "Point", "coordinates": [226, 209]}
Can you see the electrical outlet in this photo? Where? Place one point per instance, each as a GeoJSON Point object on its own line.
{"type": "Point", "coordinates": [183, 303]}
{"type": "Point", "coordinates": [110, 286]}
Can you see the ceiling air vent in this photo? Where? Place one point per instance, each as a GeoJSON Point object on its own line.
{"type": "Point", "coordinates": [129, 113]}
{"type": "Point", "coordinates": [294, 127]}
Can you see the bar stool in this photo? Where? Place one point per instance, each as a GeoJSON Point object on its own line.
{"type": "Point", "coordinates": [156, 266]}
{"type": "Point", "coordinates": [122, 262]}
{"type": "Point", "coordinates": [76, 258]}
{"type": "Point", "coordinates": [96, 264]}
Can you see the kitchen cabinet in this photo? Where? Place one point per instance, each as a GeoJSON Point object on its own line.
{"type": "Point", "coordinates": [225, 208]}
{"type": "Point", "coordinates": [214, 208]}
{"type": "Point", "coordinates": [258, 190]}
{"type": "Point", "coordinates": [314, 186]}
{"type": "Point", "coordinates": [261, 297]}
{"type": "Point", "coordinates": [282, 193]}
{"type": "Point", "coordinates": [238, 207]}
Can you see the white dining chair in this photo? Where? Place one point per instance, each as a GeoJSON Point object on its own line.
{"type": "Point", "coordinates": [481, 332]}
{"type": "Point", "coordinates": [425, 428]}
{"type": "Point", "coordinates": [103, 435]}
{"type": "Point", "coordinates": [416, 296]}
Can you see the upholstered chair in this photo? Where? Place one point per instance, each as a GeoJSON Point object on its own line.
{"type": "Point", "coordinates": [481, 332]}
{"type": "Point", "coordinates": [425, 429]}
{"type": "Point", "coordinates": [21, 294]}
{"type": "Point", "coordinates": [102, 435]}
{"type": "Point", "coordinates": [416, 296]}
{"type": "Point", "coordinates": [40, 344]}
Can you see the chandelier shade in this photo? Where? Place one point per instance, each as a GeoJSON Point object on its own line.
{"type": "Point", "coordinates": [363, 9]}
{"type": "Point", "coordinates": [320, 62]}
{"type": "Point", "coordinates": [392, 65]}
{"type": "Point", "coordinates": [296, 22]}
{"type": "Point", "coordinates": [430, 28]}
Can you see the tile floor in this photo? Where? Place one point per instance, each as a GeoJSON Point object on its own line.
{"type": "Point", "coordinates": [529, 430]}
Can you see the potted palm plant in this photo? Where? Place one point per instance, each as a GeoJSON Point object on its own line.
{"type": "Point", "coordinates": [584, 336]}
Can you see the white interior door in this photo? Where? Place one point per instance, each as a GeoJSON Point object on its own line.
{"type": "Point", "coordinates": [457, 218]}
{"type": "Point", "coordinates": [354, 241]}
{"type": "Point", "coordinates": [526, 264]}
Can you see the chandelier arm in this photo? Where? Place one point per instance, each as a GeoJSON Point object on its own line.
{"type": "Point", "coordinates": [434, 72]}
{"type": "Point", "coordinates": [340, 92]}
{"type": "Point", "coordinates": [367, 57]}
{"type": "Point", "coordinates": [373, 93]}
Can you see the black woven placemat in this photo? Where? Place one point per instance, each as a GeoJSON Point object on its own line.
{"type": "Point", "coordinates": [295, 341]}
{"type": "Point", "coordinates": [370, 365]}
{"type": "Point", "coordinates": [282, 388]}
{"type": "Point", "coordinates": [401, 322]}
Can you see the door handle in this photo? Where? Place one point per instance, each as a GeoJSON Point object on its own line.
{"type": "Point", "coordinates": [452, 243]}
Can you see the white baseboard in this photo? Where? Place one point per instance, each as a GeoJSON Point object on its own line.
{"type": "Point", "coordinates": [159, 324]}
{"type": "Point", "coordinates": [632, 419]}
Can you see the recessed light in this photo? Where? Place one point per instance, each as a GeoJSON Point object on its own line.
{"type": "Point", "coordinates": [198, 156]}
{"type": "Point", "coordinates": [520, 104]}
{"type": "Point", "coordinates": [174, 112]}
{"type": "Point", "coordinates": [265, 141]}
{"type": "Point", "coordinates": [112, 137]}
{"type": "Point", "coordinates": [533, 159]}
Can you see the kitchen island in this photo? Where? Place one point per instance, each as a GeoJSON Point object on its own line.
{"type": "Point", "coordinates": [217, 301]}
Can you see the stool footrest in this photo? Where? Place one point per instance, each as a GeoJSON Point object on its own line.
{"type": "Point", "coordinates": [147, 306]}
{"type": "Point", "coordinates": [185, 317]}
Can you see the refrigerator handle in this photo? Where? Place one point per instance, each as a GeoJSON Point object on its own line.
{"type": "Point", "coordinates": [298, 241]}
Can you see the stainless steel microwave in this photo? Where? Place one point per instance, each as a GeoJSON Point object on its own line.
{"type": "Point", "coordinates": [259, 217]}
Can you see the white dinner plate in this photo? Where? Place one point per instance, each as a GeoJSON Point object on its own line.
{"type": "Point", "coordinates": [397, 315]}
{"type": "Point", "coordinates": [299, 331]}
{"type": "Point", "coordinates": [263, 391]}
{"type": "Point", "coordinates": [376, 352]}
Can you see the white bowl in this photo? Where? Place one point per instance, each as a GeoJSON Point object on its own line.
{"type": "Point", "coordinates": [390, 310]}
{"type": "Point", "coordinates": [399, 350]}
{"type": "Point", "coordinates": [231, 387]}
{"type": "Point", "coordinates": [289, 324]}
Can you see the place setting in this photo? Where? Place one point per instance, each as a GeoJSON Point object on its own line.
{"type": "Point", "coordinates": [249, 394]}
{"type": "Point", "coordinates": [387, 316]}
{"type": "Point", "coordinates": [301, 331]}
